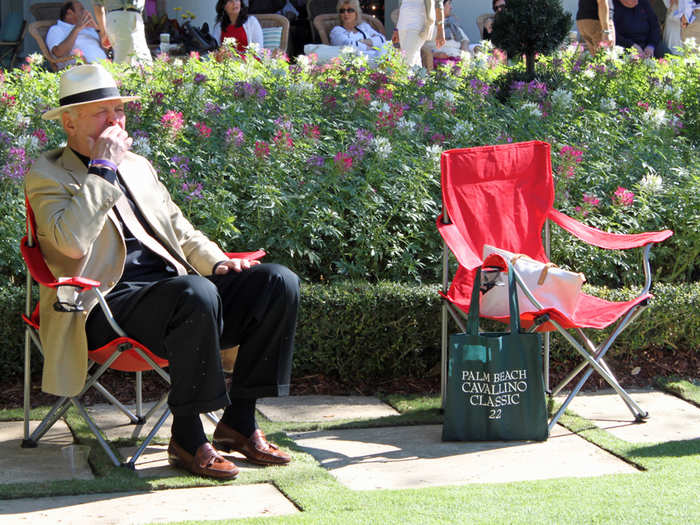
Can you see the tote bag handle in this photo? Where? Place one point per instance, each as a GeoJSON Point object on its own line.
{"type": "Point", "coordinates": [473, 317]}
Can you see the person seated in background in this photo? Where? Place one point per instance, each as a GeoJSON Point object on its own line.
{"type": "Point", "coordinates": [636, 26]}
{"type": "Point", "coordinates": [456, 40]}
{"type": "Point", "coordinates": [74, 32]}
{"type": "Point", "coordinates": [690, 19]}
{"type": "Point", "coordinates": [353, 31]}
{"type": "Point", "coordinates": [497, 6]}
{"type": "Point", "coordinates": [233, 21]}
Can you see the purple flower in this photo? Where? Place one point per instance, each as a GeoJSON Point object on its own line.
{"type": "Point", "coordinates": [235, 136]}
{"type": "Point", "coordinates": [194, 191]}
{"type": "Point", "coordinates": [182, 163]}
{"type": "Point", "coordinates": [17, 164]}
{"type": "Point", "coordinates": [210, 108]}
{"type": "Point", "coordinates": [356, 151]}
{"type": "Point", "coordinates": [315, 160]}
{"type": "Point", "coordinates": [262, 93]}
{"type": "Point", "coordinates": [199, 78]}
{"type": "Point", "coordinates": [364, 136]}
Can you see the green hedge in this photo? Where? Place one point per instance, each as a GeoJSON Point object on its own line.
{"type": "Point", "coordinates": [363, 332]}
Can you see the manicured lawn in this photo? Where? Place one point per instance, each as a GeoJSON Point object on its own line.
{"type": "Point", "coordinates": [664, 491]}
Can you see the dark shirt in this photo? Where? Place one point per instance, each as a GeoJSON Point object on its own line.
{"type": "Point", "coordinates": [141, 264]}
{"type": "Point", "coordinates": [636, 25]}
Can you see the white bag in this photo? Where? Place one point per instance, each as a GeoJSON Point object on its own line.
{"type": "Point", "coordinates": [551, 286]}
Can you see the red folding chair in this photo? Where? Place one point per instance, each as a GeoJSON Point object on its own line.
{"type": "Point", "coordinates": [502, 196]}
{"type": "Point", "coordinates": [123, 353]}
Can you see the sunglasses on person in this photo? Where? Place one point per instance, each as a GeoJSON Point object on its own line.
{"type": "Point", "coordinates": [500, 7]}
{"type": "Point", "coordinates": [346, 10]}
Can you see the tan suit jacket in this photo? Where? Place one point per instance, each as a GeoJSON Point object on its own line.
{"type": "Point", "coordinates": [79, 235]}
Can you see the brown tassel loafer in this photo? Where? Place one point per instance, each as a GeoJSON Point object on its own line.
{"type": "Point", "coordinates": [256, 449]}
{"type": "Point", "coordinates": [205, 462]}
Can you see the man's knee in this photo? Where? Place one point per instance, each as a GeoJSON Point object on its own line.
{"type": "Point", "coordinates": [196, 293]}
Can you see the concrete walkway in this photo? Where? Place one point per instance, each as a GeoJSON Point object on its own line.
{"type": "Point", "coordinates": [360, 459]}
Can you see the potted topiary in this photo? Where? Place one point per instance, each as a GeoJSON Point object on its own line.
{"type": "Point", "coordinates": [528, 27]}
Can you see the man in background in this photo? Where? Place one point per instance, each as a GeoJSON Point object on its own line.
{"type": "Point", "coordinates": [121, 24]}
{"type": "Point", "coordinates": [75, 31]}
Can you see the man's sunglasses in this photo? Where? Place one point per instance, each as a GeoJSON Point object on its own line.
{"type": "Point", "coordinates": [500, 7]}
{"type": "Point", "coordinates": [346, 10]}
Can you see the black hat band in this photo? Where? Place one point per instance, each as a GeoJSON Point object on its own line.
{"type": "Point", "coordinates": [89, 96]}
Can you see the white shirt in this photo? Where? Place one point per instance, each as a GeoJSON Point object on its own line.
{"type": "Point", "coordinates": [411, 15]}
{"type": "Point", "coordinates": [342, 37]}
{"type": "Point", "coordinates": [253, 30]}
{"type": "Point", "coordinates": [88, 40]}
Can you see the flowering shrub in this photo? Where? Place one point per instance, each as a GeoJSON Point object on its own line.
{"type": "Point", "coordinates": [334, 169]}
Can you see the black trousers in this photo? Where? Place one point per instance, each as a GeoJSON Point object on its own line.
{"type": "Point", "coordinates": [189, 319]}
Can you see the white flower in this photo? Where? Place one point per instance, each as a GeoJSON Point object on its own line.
{"type": "Point", "coordinates": [28, 142]}
{"type": "Point", "coordinates": [405, 125]}
{"type": "Point", "coordinates": [433, 152]}
{"type": "Point", "coordinates": [377, 106]}
{"type": "Point", "coordinates": [531, 108]}
{"type": "Point", "coordinates": [444, 95]}
{"type": "Point", "coordinates": [382, 146]}
{"type": "Point", "coordinates": [651, 183]}
{"type": "Point", "coordinates": [304, 62]}
{"type": "Point", "coordinates": [36, 59]}
{"type": "Point", "coordinates": [22, 121]}
{"type": "Point", "coordinates": [589, 73]}
{"type": "Point", "coordinates": [562, 98]}
{"type": "Point", "coordinates": [255, 48]}
{"type": "Point", "coordinates": [177, 62]}
{"type": "Point", "coordinates": [608, 104]}
{"type": "Point", "coordinates": [463, 129]}
{"type": "Point", "coordinates": [301, 87]}
{"type": "Point", "coordinates": [614, 52]}
{"type": "Point", "coordinates": [656, 117]}
{"type": "Point", "coordinates": [142, 146]}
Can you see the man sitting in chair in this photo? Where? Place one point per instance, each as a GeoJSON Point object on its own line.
{"type": "Point", "coordinates": [75, 31]}
{"type": "Point", "coordinates": [102, 213]}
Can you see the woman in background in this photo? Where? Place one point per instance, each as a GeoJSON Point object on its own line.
{"type": "Point", "coordinates": [353, 31]}
{"type": "Point", "coordinates": [233, 21]}
{"type": "Point", "coordinates": [416, 26]}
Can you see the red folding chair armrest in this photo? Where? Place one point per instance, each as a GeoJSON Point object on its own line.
{"type": "Point", "coordinates": [461, 249]}
{"type": "Point", "coordinates": [79, 282]}
{"type": "Point", "coordinates": [609, 241]}
{"type": "Point", "coordinates": [251, 256]}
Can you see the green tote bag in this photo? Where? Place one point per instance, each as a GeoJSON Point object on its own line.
{"type": "Point", "coordinates": [495, 388]}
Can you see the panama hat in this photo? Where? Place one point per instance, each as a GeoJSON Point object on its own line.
{"type": "Point", "coordinates": [83, 85]}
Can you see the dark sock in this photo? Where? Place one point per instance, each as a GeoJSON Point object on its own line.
{"type": "Point", "coordinates": [240, 416]}
{"type": "Point", "coordinates": [188, 432]}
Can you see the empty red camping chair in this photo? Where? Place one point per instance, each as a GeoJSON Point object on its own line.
{"type": "Point", "coordinates": [502, 196]}
{"type": "Point", "coordinates": [123, 353]}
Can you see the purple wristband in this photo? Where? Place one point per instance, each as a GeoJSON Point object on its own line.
{"type": "Point", "coordinates": [104, 163]}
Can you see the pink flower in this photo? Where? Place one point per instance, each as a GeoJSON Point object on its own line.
{"type": "Point", "coordinates": [343, 161]}
{"type": "Point", "coordinates": [262, 149]}
{"type": "Point", "coordinates": [41, 135]}
{"type": "Point", "coordinates": [204, 130]}
{"type": "Point", "coordinates": [8, 100]}
{"type": "Point", "coordinates": [623, 197]}
{"type": "Point", "coordinates": [591, 200]}
{"type": "Point", "coordinates": [385, 94]}
{"type": "Point", "coordinates": [283, 139]}
{"type": "Point", "coordinates": [362, 95]}
{"type": "Point", "coordinates": [311, 131]}
{"type": "Point", "coordinates": [644, 105]}
{"type": "Point", "coordinates": [173, 120]}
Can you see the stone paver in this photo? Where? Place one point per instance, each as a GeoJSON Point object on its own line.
{"type": "Point", "coordinates": [670, 418]}
{"type": "Point", "coordinates": [154, 462]}
{"type": "Point", "coordinates": [195, 504]}
{"type": "Point", "coordinates": [46, 462]}
{"type": "Point", "coordinates": [115, 424]}
{"type": "Point", "coordinates": [323, 408]}
{"type": "Point", "coordinates": [415, 457]}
